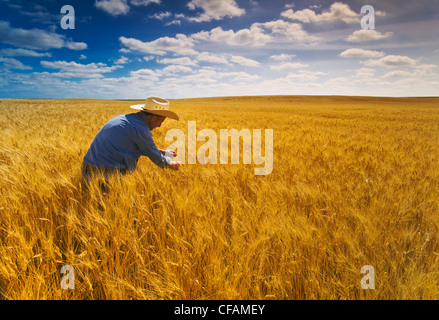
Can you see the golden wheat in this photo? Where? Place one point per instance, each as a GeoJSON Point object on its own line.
{"type": "Point", "coordinates": [355, 182]}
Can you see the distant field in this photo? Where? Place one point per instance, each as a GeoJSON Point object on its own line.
{"type": "Point", "coordinates": [355, 182]}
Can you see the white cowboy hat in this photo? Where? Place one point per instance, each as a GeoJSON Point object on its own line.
{"type": "Point", "coordinates": [158, 106]}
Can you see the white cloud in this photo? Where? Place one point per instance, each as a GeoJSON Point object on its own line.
{"type": "Point", "coordinates": [425, 69]}
{"type": "Point", "coordinates": [288, 65]}
{"type": "Point", "coordinates": [170, 23]}
{"type": "Point", "coordinates": [244, 37]}
{"type": "Point", "coordinates": [282, 57]}
{"type": "Point", "coordinates": [36, 12]}
{"type": "Point", "coordinates": [293, 31]}
{"type": "Point", "coordinates": [121, 7]}
{"type": "Point", "coordinates": [368, 35]}
{"type": "Point", "coordinates": [145, 74]}
{"type": "Point", "coordinates": [77, 70]}
{"type": "Point", "coordinates": [239, 76]}
{"type": "Point", "coordinates": [391, 61]}
{"type": "Point", "coordinates": [186, 61]}
{"type": "Point", "coordinates": [304, 75]}
{"type": "Point", "coordinates": [420, 71]}
{"type": "Point", "coordinates": [337, 11]}
{"type": "Point", "coordinates": [36, 39]}
{"type": "Point", "coordinates": [181, 45]}
{"type": "Point", "coordinates": [144, 2]}
{"type": "Point", "coordinates": [244, 61]}
{"type": "Point", "coordinates": [76, 45]}
{"type": "Point", "coordinates": [173, 69]}
{"type": "Point", "coordinates": [11, 63]}
{"type": "Point", "coordinates": [113, 7]}
{"type": "Point", "coordinates": [203, 76]}
{"type": "Point", "coordinates": [161, 15]}
{"type": "Point", "coordinates": [122, 60]}
{"type": "Point", "coordinates": [22, 53]}
{"type": "Point", "coordinates": [397, 74]}
{"type": "Point", "coordinates": [361, 53]}
{"type": "Point", "coordinates": [215, 9]}
{"type": "Point", "coordinates": [365, 73]}
{"type": "Point", "coordinates": [212, 58]}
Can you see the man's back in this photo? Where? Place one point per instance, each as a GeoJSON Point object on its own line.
{"type": "Point", "coordinates": [120, 143]}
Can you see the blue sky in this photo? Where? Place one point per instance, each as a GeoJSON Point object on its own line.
{"type": "Point", "coordinates": [131, 49]}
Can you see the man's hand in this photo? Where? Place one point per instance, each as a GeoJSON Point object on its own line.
{"type": "Point", "coordinates": [174, 165]}
{"type": "Point", "coordinates": [170, 153]}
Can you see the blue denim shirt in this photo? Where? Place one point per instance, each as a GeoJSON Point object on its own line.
{"type": "Point", "coordinates": [121, 142]}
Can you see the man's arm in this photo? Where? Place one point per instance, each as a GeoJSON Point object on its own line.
{"type": "Point", "coordinates": [158, 156]}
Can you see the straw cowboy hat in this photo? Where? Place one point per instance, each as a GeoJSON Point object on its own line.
{"type": "Point", "coordinates": [156, 106]}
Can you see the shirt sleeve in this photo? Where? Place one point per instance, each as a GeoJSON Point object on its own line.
{"type": "Point", "coordinates": [148, 148]}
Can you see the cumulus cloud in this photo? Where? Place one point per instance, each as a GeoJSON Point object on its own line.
{"type": "Point", "coordinates": [238, 76]}
{"type": "Point", "coordinates": [77, 70]}
{"type": "Point", "coordinates": [34, 11]}
{"type": "Point", "coordinates": [293, 31]}
{"type": "Point", "coordinates": [368, 35]}
{"type": "Point", "coordinates": [304, 75]}
{"type": "Point", "coordinates": [244, 61]}
{"type": "Point", "coordinates": [215, 9]}
{"type": "Point", "coordinates": [254, 36]}
{"type": "Point", "coordinates": [22, 53]}
{"type": "Point", "coordinates": [361, 53]}
{"type": "Point", "coordinates": [173, 69]}
{"type": "Point", "coordinates": [121, 7]}
{"type": "Point", "coordinates": [122, 60]}
{"type": "Point", "coordinates": [391, 61]}
{"type": "Point", "coordinates": [113, 7]}
{"type": "Point", "coordinates": [36, 39]}
{"type": "Point", "coordinates": [76, 45]}
{"type": "Point", "coordinates": [257, 35]}
{"type": "Point", "coordinates": [212, 58]}
{"type": "Point", "coordinates": [365, 73]}
{"type": "Point", "coordinates": [282, 57]}
{"type": "Point", "coordinates": [144, 2]}
{"type": "Point", "coordinates": [426, 69]}
{"type": "Point", "coordinates": [181, 45]}
{"type": "Point", "coordinates": [337, 11]}
{"type": "Point", "coordinates": [397, 74]}
{"type": "Point", "coordinates": [145, 74]}
{"type": "Point", "coordinates": [185, 61]}
{"type": "Point", "coordinates": [288, 65]}
{"type": "Point", "coordinates": [161, 15]}
{"type": "Point", "coordinates": [11, 63]}
{"type": "Point", "coordinates": [203, 76]}
{"type": "Point", "coordinates": [170, 23]}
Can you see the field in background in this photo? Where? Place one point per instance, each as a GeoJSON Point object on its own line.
{"type": "Point", "coordinates": [355, 182]}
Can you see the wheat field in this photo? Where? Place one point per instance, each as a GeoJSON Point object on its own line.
{"type": "Point", "coordinates": [355, 182]}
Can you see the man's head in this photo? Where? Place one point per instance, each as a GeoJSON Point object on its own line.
{"type": "Point", "coordinates": [157, 106]}
{"type": "Point", "coordinates": [153, 120]}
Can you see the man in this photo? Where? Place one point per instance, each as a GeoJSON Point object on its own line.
{"type": "Point", "coordinates": [119, 144]}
